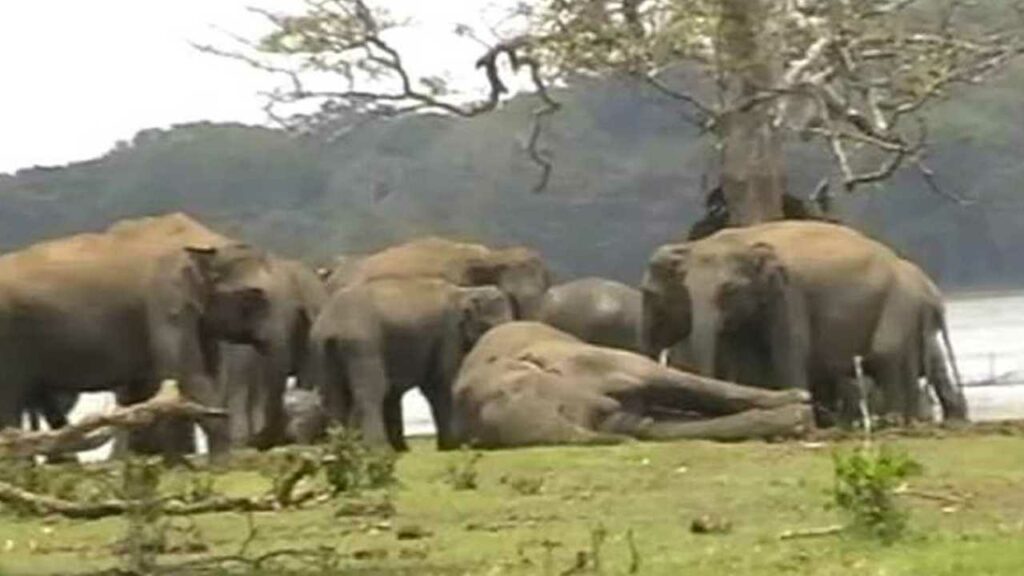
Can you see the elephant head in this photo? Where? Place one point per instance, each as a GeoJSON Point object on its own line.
{"type": "Point", "coordinates": [231, 285]}
{"type": "Point", "coordinates": [703, 290]}
{"type": "Point", "coordinates": [481, 309]}
{"type": "Point", "coordinates": [518, 272]}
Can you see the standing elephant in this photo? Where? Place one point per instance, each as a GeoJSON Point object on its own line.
{"type": "Point", "coordinates": [518, 272]}
{"type": "Point", "coordinates": [596, 310]}
{"type": "Point", "coordinates": [526, 383]}
{"type": "Point", "coordinates": [126, 309]}
{"type": "Point", "coordinates": [376, 340]}
{"type": "Point", "coordinates": [254, 380]}
{"type": "Point", "coordinates": [798, 300]}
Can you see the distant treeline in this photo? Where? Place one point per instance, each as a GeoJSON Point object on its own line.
{"type": "Point", "coordinates": [628, 177]}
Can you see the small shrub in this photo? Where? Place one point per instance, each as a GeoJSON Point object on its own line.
{"type": "Point", "coordinates": [350, 465]}
{"type": "Point", "coordinates": [865, 484]}
{"type": "Point", "coordinates": [379, 468]}
{"type": "Point", "coordinates": [343, 462]}
{"type": "Point", "coordinates": [461, 473]}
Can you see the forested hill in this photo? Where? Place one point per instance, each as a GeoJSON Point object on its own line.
{"type": "Point", "coordinates": [627, 178]}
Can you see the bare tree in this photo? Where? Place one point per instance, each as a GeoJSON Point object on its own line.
{"type": "Point", "coordinates": [854, 75]}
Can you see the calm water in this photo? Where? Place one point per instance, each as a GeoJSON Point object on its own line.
{"type": "Point", "coordinates": [987, 335]}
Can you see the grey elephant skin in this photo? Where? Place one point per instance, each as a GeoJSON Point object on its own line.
{"type": "Point", "coordinates": [121, 310]}
{"type": "Point", "coordinates": [596, 310]}
{"type": "Point", "coordinates": [518, 272]}
{"type": "Point", "coordinates": [306, 419]}
{"type": "Point", "coordinates": [376, 340]}
{"type": "Point", "coordinates": [792, 304]}
{"type": "Point", "coordinates": [526, 383]}
{"type": "Point", "coordinates": [254, 380]}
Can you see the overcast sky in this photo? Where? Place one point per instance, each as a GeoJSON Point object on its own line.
{"type": "Point", "coordinates": [78, 75]}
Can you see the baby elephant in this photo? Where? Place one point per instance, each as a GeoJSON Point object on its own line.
{"type": "Point", "coordinates": [306, 421]}
{"type": "Point", "coordinates": [526, 383]}
{"type": "Point", "coordinates": [376, 340]}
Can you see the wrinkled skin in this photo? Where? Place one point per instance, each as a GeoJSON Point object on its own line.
{"type": "Point", "coordinates": [519, 272]}
{"type": "Point", "coordinates": [790, 304]}
{"type": "Point", "coordinates": [305, 415]}
{"type": "Point", "coordinates": [122, 310]}
{"type": "Point", "coordinates": [526, 383]}
{"type": "Point", "coordinates": [376, 340]}
{"type": "Point", "coordinates": [254, 380]}
{"type": "Point", "coordinates": [597, 311]}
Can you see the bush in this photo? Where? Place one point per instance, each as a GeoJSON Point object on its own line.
{"type": "Point", "coordinates": [350, 465]}
{"type": "Point", "coordinates": [865, 485]}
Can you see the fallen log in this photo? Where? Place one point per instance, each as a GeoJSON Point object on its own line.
{"type": "Point", "coordinates": [96, 429]}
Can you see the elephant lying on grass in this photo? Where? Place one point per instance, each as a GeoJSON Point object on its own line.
{"type": "Point", "coordinates": [526, 383]}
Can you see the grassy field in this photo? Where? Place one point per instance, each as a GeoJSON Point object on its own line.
{"type": "Point", "coordinates": [539, 511]}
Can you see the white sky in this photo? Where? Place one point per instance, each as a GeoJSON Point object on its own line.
{"type": "Point", "coordinates": [78, 75]}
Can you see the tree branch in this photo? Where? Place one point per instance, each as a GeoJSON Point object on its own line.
{"type": "Point", "coordinates": [96, 429]}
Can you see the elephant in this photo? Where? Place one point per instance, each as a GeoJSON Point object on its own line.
{"type": "Point", "coordinates": [791, 304]}
{"type": "Point", "coordinates": [527, 383]}
{"type": "Point", "coordinates": [519, 272]}
{"type": "Point", "coordinates": [595, 310]}
{"type": "Point", "coordinates": [376, 340]}
{"type": "Point", "coordinates": [254, 380]}
{"type": "Point", "coordinates": [124, 309]}
{"type": "Point", "coordinates": [305, 416]}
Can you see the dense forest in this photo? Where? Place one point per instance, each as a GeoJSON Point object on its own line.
{"type": "Point", "coordinates": [628, 176]}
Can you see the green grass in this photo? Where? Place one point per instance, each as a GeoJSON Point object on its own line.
{"type": "Point", "coordinates": [535, 510]}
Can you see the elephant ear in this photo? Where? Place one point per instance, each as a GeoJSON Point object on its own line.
{"type": "Point", "coordinates": [768, 269]}
{"type": "Point", "coordinates": [482, 271]}
{"type": "Point", "coordinates": [668, 262]}
{"type": "Point", "coordinates": [479, 309]}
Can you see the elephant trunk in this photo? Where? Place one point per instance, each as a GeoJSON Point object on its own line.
{"type": "Point", "coordinates": [703, 340]}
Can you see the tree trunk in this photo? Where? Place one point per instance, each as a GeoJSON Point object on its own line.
{"type": "Point", "coordinates": [753, 166]}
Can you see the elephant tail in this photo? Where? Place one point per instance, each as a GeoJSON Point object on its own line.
{"type": "Point", "coordinates": [951, 357]}
{"type": "Point", "coordinates": [954, 404]}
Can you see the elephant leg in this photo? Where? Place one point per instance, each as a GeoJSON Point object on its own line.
{"type": "Point", "coordinates": [369, 384]}
{"type": "Point", "coordinates": [623, 375]}
{"type": "Point", "coordinates": [393, 421]}
{"type": "Point", "coordinates": [793, 420]}
{"type": "Point", "coordinates": [897, 382]}
{"type": "Point", "coordinates": [267, 406]}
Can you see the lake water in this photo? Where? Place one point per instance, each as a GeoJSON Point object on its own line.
{"type": "Point", "coordinates": [987, 334]}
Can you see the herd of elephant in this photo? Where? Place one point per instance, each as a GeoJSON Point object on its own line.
{"type": "Point", "coordinates": [763, 331]}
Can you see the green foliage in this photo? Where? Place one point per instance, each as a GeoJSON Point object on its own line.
{"type": "Point", "coordinates": [461, 472]}
{"type": "Point", "coordinates": [865, 483]}
{"type": "Point", "coordinates": [350, 465]}
{"type": "Point", "coordinates": [627, 177]}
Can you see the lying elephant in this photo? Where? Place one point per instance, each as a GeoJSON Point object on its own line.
{"type": "Point", "coordinates": [597, 311]}
{"type": "Point", "coordinates": [526, 383]}
{"type": "Point", "coordinates": [376, 340]}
